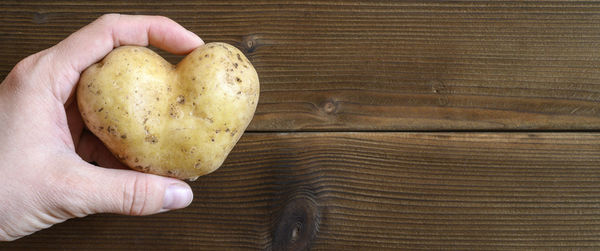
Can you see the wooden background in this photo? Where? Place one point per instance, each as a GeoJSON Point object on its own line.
{"type": "Point", "coordinates": [381, 125]}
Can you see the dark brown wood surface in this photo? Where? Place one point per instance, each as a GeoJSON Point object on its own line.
{"type": "Point", "coordinates": [360, 75]}
{"type": "Point", "coordinates": [344, 191]}
{"type": "Point", "coordinates": [378, 65]}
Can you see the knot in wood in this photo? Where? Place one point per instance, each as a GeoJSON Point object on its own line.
{"type": "Point", "coordinates": [297, 225]}
{"type": "Point", "coordinates": [330, 106]}
{"type": "Point", "coordinates": [441, 90]}
{"type": "Point", "coordinates": [249, 43]}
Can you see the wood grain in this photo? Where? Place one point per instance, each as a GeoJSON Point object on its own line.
{"type": "Point", "coordinates": [374, 66]}
{"type": "Point", "coordinates": [377, 65]}
{"type": "Point", "coordinates": [350, 191]}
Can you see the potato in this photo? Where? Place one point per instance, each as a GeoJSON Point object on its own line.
{"type": "Point", "coordinates": [179, 121]}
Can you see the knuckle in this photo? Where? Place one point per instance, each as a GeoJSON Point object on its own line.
{"type": "Point", "coordinates": [110, 17]}
{"type": "Point", "coordinates": [136, 196]}
{"type": "Point", "coordinates": [22, 67]}
{"type": "Point", "coordinates": [25, 69]}
{"type": "Point", "coordinates": [163, 19]}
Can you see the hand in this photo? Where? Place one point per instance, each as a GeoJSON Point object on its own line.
{"type": "Point", "coordinates": [45, 176]}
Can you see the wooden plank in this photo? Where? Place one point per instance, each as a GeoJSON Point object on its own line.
{"type": "Point", "coordinates": [378, 65]}
{"type": "Point", "coordinates": [349, 191]}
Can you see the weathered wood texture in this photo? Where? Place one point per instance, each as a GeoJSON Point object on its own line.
{"type": "Point", "coordinates": [373, 66]}
{"type": "Point", "coordinates": [378, 65]}
{"type": "Point", "coordinates": [373, 191]}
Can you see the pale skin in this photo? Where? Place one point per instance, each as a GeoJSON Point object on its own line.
{"type": "Point", "coordinates": [44, 150]}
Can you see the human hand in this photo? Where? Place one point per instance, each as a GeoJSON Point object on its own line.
{"type": "Point", "coordinates": [44, 150]}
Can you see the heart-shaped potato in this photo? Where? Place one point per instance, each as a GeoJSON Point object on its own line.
{"type": "Point", "coordinates": [179, 121]}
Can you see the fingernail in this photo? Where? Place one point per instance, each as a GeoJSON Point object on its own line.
{"type": "Point", "coordinates": [177, 196]}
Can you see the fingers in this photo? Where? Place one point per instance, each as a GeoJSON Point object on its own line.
{"type": "Point", "coordinates": [91, 43]}
{"type": "Point", "coordinates": [94, 41]}
{"type": "Point", "coordinates": [126, 192]}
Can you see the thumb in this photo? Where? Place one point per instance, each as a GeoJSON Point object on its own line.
{"type": "Point", "coordinates": [131, 192]}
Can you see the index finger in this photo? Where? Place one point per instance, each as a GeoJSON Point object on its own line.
{"type": "Point", "coordinates": [92, 42]}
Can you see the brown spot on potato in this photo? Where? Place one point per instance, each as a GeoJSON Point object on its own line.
{"type": "Point", "coordinates": [124, 136]}
{"type": "Point", "coordinates": [233, 133]}
{"type": "Point", "coordinates": [212, 139]}
{"type": "Point", "coordinates": [237, 79]}
{"type": "Point", "coordinates": [136, 160]}
{"type": "Point", "coordinates": [217, 131]}
{"type": "Point", "coordinates": [235, 65]}
{"type": "Point", "coordinates": [239, 93]}
{"type": "Point", "coordinates": [157, 98]}
{"type": "Point", "coordinates": [101, 128]}
{"type": "Point", "coordinates": [181, 99]}
{"type": "Point", "coordinates": [227, 130]}
{"type": "Point", "coordinates": [101, 108]}
{"type": "Point", "coordinates": [206, 55]}
{"type": "Point", "coordinates": [98, 92]}
{"type": "Point", "coordinates": [173, 111]}
{"type": "Point", "coordinates": [111, 130]}
{"type": "Point", "coordinates": [239, 57]}
{"type": "Point", "coordinates": [151, 139]}
{"type": "Point", "coordinates": [198, 164]}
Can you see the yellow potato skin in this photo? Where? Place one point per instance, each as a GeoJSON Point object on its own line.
{"type": "Point", "coordinates": [179, 121]}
